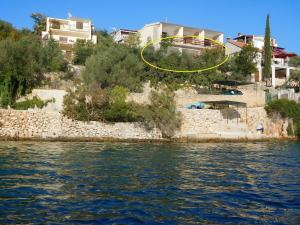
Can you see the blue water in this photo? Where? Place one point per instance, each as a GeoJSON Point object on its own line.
{"type": "Point", "coordinates": [105, 183]}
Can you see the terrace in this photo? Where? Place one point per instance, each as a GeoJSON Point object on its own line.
{"type": "Point", "coordinates": [66, 25]}
{"type": "Point", "coordinates": [194, 42]}
{"type": "Point", "coordinates": [191, 37]}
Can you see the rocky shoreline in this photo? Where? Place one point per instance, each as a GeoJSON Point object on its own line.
{"type": "Point", "coordinates": [158, 141]}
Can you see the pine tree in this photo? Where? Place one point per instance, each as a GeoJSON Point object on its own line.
{"type": "Point", "coordinates": [267, 50]}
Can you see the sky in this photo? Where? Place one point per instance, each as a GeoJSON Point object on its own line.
{"type": "Point", "coordinates": [227, 16]}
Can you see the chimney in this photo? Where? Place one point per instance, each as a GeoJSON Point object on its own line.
{"type": "Point", "coordinates": [228, 39]}
{"type": "Point", "coordinates": [239, 34]}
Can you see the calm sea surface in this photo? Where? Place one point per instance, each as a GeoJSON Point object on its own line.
{"type": "Point", "coordinates": [105, 183]}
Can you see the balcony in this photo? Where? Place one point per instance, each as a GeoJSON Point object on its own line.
{"type": "Point", "coordinates": [63, 25]}
{"type": "Point", "coordinates": [280, 62]}
{"type": "Point", "coordinates": [64, 32]}
{"type": "Point", "coordinates": [194, 42]}
{"type": "Point", "coordinates": [71, 28]}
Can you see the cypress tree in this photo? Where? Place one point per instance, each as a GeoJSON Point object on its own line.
{"type": "Point", "coordinates": [267, 50]}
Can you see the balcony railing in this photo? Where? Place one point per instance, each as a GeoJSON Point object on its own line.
{"type": "Point", "coordinates": [194, 42]}
{"type": "Point", "coordinates": [71, 28]}
{"type": "Point", "coordinates": [280, 62]}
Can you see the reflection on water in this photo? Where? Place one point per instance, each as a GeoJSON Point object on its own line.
{"type": "Point", "coordinates": [107, 183]}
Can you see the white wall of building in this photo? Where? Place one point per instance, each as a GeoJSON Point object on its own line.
{"type": "Point", "coordinates": [150, 33]}
{"type": "Point", "coordinates": [153, 32]}
{"type": "Point", "coordinates": [231, 48]}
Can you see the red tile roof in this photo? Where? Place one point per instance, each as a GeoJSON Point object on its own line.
{"type": "Point", "coordinates": [244, 35]}
{"type": "Point", "coordinates": [280, 53]}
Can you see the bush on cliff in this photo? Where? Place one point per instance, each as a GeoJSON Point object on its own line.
{"type": "Point", "coordinates": [117, 65]}
{"type": "Point", "coordinates": [23, 60]}
{"type": "Point", "coordinates": [82, 50]}
{"type": "Point", "coordinates": [287, 109]}
{"type": "Point", "coordinates": [119, 110]}
{"type": "Point", "coordinates": [20, 68]}
{"type": "Point", "coordinates": [53, 59]}
{"type": "Point", "coordinates": [86, 104]}
{"type": "Point", "coordinates": [30, 104]}
{"type": "Point", "coordinates": [161, 113]}
{"type": "Point", "coordinates": [95, 104]}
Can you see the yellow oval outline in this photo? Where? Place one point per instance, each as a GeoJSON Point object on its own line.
{"type": "Point", "coordinates": [182, 71]}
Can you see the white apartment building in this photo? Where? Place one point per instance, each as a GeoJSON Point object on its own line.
{"type": "Point", "coordinates": [280, 58]}
{"type": "Point", "coordinates": [68, 31]}
{"type": "Point", "coordinates": [155, 31]}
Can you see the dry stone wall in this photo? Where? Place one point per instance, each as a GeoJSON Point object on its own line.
{"type": "Point", "coordinates": [253, 97]}
{"type": "Point", "coordinates": [197, 124]}
{"type": "Point", "coordinates": [46, 124]}
{"type": "Point", "coordinates": [230, 123]}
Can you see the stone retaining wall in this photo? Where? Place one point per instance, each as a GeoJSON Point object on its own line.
{"type": "Point", "coordinates": [230, 123]}
{"type": "Point", "coordinates": [253, 97]}
{"type": "Point", "coordinates": [197, 124]}
{"type": "Point", "coordinates": [46, 124]}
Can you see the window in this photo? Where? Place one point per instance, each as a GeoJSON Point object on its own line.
{"type": "Point", "coordinates": [164, 34]}
{"type": "Point", "coordinates": [79, 25]}
{"type": "Point", "coordinates": [55, 24]}
{"type": "Point", "coordinates": [63, 39]}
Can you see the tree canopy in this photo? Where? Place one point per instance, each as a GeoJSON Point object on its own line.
{"type": "Point", "coordinates": [82, 50]}
{"type": "Point", "coordinates": [7, 31]}
{"type": "Point", "coordinates": [243, 64]}
{"type": "Point", "coordinates": [23, 60]}
{"type": "Point", "coordinates": [267, 50]}
{"type": "Point", "coordinates": [39, 23]}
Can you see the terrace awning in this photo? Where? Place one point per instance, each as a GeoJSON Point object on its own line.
{"type": "Point", "coordinates": [232, 83]}
{"type": "Point", "coordinates": [227, 102]}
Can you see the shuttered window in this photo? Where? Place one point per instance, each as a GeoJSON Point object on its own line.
{"type": "Point", "coordinates": [79, 25]}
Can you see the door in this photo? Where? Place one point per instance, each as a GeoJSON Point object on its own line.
{"type": "Point", "coordinates": [257, 76]}
{"type": "Point", "coordinates": [69, 55]}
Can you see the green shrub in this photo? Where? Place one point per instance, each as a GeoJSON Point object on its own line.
{"type": "Point", "coordinates": [82, 50]}
{"type": "Point", "coordinates": [287, 109]}
{"type": "Point", "coordinates": [116, 65]}
{"type": "Point", "coordinates": [20, 67]}
{"type": "Point", "coordinates": [119, 110]}
{"type": "Point", "coordinates": [30, 103]}
{"type": "Point", "coordinates": [98, 104]}
{"type": "Point", "coordinates": [86, 104]}
{"type": "Point", "coordinates": [161, 113]}
{"type": "Point", "coordinates": [23, 61]}
{"type": "Point", "coordinates": [52, 57]}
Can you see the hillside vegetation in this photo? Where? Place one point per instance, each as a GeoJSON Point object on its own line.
{"type": "Point", "coordinates": [23, 61]}
{"type": "Point", "coordinates": [111, 72]}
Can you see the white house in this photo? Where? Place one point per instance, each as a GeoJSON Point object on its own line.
{"type": "Point", "coordinates": [68, 31]}
{"type": "Point", "coordinates": [120, 35]}
{"type": "Point", "coordinates": [155, 31]}
{"type": "Point", "coordinates": [280, 58]}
